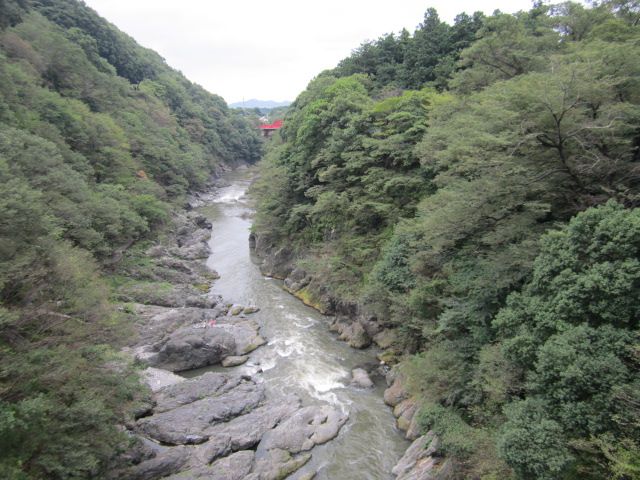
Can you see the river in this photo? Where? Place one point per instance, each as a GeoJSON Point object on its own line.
{"type": "Point", "coordinates": [302, 356]}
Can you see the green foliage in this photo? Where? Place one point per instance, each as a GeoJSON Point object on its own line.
{"type": "Point", "coordinates": [572, 329]}
{"type": "Point", "coordinates": [587, 274]}
{"type": "Point", "coordinates": [471, 450]}
{"type": "Point", "coordinates": [426, 209]}
{"type": "Point", "coordinates": [428, 57]}
{"type": "Point", "coordinates": [534, 445]}
{"type": "Point", "coordinates": [62, 409]}
{"type": "Point", "coordinates": [456, 437]}
{"type": "Point", "coordinates": [99, 140]}
{"type": "Point", "coordinates": [332, 178]}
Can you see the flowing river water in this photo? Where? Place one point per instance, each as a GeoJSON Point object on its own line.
{"type": "Point", "coordinates": [302, 356]}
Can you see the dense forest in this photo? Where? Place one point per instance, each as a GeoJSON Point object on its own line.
{"type": "Point", "coordinates": [99, 141]}
{"type": "Point", "coordinates": [475, 187]}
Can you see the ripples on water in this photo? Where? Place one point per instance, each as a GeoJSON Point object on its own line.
{"type": "Point", "coordinates": [301, 356]}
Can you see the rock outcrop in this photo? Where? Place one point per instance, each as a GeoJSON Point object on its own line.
{"type": "Point", "coordinates": [421, 461]}
{"type": "Point", "coordinates": [199, 344]}
{"type": "Point", "coordinates": [215, 426]}
{"type": "Point", "coordinates": [361, 378]}
{"type": "Point", "coordinates": [181, 326]}
{"type": "Point", "coordinates": [220, 426]}
{"type": "Point", "coordinates": [353, 325]}
{"type": "Point", "coordinates": [308, 427]}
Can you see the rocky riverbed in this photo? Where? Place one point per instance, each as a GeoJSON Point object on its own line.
{"type": "Point", "coordinates": [218, 425]}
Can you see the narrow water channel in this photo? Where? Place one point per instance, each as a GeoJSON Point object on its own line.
{"type": "Point", "coordinates": [301, 356]}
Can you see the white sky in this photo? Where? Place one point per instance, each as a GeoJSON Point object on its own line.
{"type": "Point", "coordinates": [270, 50]}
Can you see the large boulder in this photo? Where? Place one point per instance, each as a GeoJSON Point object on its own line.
{"type": "Point", "coordinates": [404, 412]}
{"type": "Point", "coordinates": [188, 391]}
{"type": "Point", "coordinates": [361, 378]}
{"type": "Point", "coordinates": [277, 464]}
{"type": "Point", "coordinates": [234, 467]}
{"type": "Point", "coordinates": [193, 347]}
{"type": "Point", "coordinates": [244, 332]}
{"type": "Point", "coordinates": [354, 334]}
{"type": "Point", "coordinates": [167, 295]}
{"type": "Point", "coordinates": [191, 423]}
{"type": "Point", "coordinates": [396, 393]}
{"type": "Point", "coordinates": [245, 431]}
{"type": "Point", "coordinates": [419, 461]}
{"type": "Point", "coordinates": [234, 361]}
{"type": "Point", "coordinates": [279, 263]}
{"type": "Point", "coordinates": [308, 427]}
{"type": "Point", "coordinates": [155, 323]}
{"type": "Point", "coordinates": [164, 464]}
{"type": "Point", "coordinates": [189, 348]}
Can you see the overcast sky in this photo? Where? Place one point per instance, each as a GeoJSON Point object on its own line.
{"type": "Point", "coordinates": [270, 50]}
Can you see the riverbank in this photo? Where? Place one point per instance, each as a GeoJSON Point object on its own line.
{"type": "Point", "coordinates": [211, 426]}
{"type": "Point", "coordinates": [187, 427]}
{"type": "Point", "coordinates": [422, 460]}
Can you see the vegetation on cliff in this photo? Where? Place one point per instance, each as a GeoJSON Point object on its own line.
{"type": "Point", "coordinates": [474, 187]}
{"type": "Point", "coordinates": [99, 141]}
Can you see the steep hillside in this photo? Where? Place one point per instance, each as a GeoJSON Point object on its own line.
{"type": "Point", "coordinates": [99, 141]}
{"type": "Point", "coordinates": [429, 183]}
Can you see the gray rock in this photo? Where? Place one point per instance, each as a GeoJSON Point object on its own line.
{"type": "Point", "coordinates": [361, 378]}
{"type": "Point", "coordinates": [234, 361]}
{"type": "Point", "coordinates": [297, 280]}
{"type": "Point", "coordinates": [163, 464]}
{"type": "Point", "coordinates": [200, 220]}
{"type": "Point", "coordinates": [245, 334]}
{"type": "Point", "coordinates": [173, 264]}
{"type": "Point", "coordinates": [188, 391]}
{"type": "Point", "coordinates": [262, 246]}
{"type": "Point", "coordinates": [308, 427]}
{"type": "Point", "coordinates": [189, 348]}
{"type": "Point", "coordinates": [197, 345]}
{"type": "Point", "coordinates": [418, 461]}
{"type": "Point", "coordinates": [414, 430]}
{"type": "Point", "coordinates": [396, 392]}
{"type": "Point", "coordinates": [154, 323]}
{"type": "Point", "coordinates": [307, 476]}
{"type": "Point", "coordinates": [391, 376]}
{"type": "Point", "coordinates": [405, 412]}
{"type": "Point", "coordinates": [193, 252]}
{"type": "Point", "coordinates": [157, 379]}
{"type": "Point", "coordinates": [279, 263]}
{"type": "Point", "coordinates": [276, 464]}
{"type": "Point", "coordinates": [236, 309]}
{"type": "Point", "coordinates": [234, 467]}
{"type": "Point", "coordinates": [246, 430]}
{"type": "Point", "coordinates": [191, 423]}
{"type": "Point", "coordinates": [354, 334]}
{"type": "Point", "coordinates": [157, 251]}
{"type": "Point", "coordinates": [162, 295]}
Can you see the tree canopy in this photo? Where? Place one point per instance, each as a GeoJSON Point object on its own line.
{"type": "Point", "coordinates": [99, 141]}
{"type": "Point", "coordinates": [474, 187]}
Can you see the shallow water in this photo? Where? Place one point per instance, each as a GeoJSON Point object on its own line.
{"type": "Point", "coordinates": [301, 356]}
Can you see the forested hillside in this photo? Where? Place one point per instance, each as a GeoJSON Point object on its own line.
{"type": "Point", "coordinates": [99, 141]}
{"type": "Point", "coordinates": [475, 188]}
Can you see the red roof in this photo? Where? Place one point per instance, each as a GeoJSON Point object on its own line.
{"type": "Point", "coordinates": [278, 124]}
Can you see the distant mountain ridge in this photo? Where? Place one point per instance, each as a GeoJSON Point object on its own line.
{"type": "Point", "coordinates": [253, 103]}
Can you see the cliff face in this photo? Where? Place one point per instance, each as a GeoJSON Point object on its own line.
{"type": "Point", "coordinates": [348, 319]}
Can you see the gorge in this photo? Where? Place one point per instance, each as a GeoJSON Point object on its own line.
{"type": "Point", "coordinates": [464, 198]}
